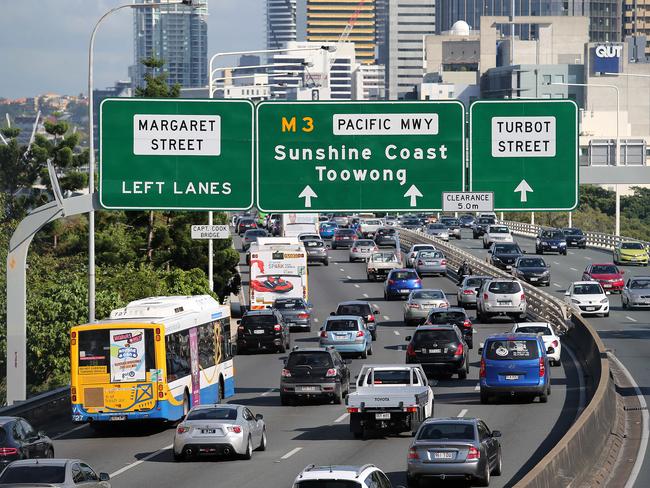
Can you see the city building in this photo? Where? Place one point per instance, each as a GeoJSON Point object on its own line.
{"type": "Point", "coordinates": [281, 23]}
{"type": "Point", "coordinates": [370, 82]}
{"type": "Point", "coordinates": [327, 21]}
{"type": "Point", "coordinates": [177, 34]}
{"type": "Point", "coordinates": [409, 21]}
{"type": "Point", "coordinates": [636, 19]}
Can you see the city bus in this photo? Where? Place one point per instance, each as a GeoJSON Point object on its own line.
{"type": "Point", "coordinates": [153, 359]}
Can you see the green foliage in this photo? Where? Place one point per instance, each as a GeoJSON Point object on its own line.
{"type": "Point", "coordinates": [156, 85]}
{"type": "Point", "coordinates": [10, 132]}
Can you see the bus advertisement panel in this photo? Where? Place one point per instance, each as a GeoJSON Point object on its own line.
{"type": "Point", "coordinates": [277, 272]}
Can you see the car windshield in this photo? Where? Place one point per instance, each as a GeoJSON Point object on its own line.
{"type": "Point", "coordinates": [326, 225]}
{"type": "Point", "coordinates": [456, 431]}
{"type": "Point", "coordinates": [372, 222]}
{"type": "Point", "coordinates": [535, 329]}
{"type": "Point", "coordinates": [506, 287]}
{"type": "Point", "coordinates": [552, 234]}
{"type": "Point", "coordinates": [640, 284]}
{"type": "Point", "coordinates": [314, 243]}
{"type": "Point", "coordinates": [361, 309]}
{"type": "Point", "coordinates": [423, 247]}
{"type": "Point", "coordinates": [604, 269]}
{"type": "Point", "coordinates": [382, 257]}
{"type": "Point", "coordinates": [632, 245]}
{"type": "Point", "coordinates": [572, 232]}
{"type": "Point", "coordinates": [486, 220]}
{"type": "Point", "coordinates": [33, 473]}
{"type": "Point", "coordinates": [255, 233]}
{"type": "Point", "coordinates": [430, 255]}
{"type": "Point", "coordinates": [345, 232]}
{"type": "Point", "coordinates": [328, 484]}
{"type": "Point", "coordinates": [428, 295]}
{"type": "Point", "coordinates": [438, 318]}
{"type": "Point", "coordinates": [212, 414]}
{"type": "Point", "coordinates": [531, 263]}
{"type": "Point", "coordinates": [364, 243]}
{"type": "Point", "coordinates": [429, 336]}
{"type": "Point", "coordinates": [498, 230]}
{"type": "Point", "coordinates": [311, 359]}
{"type": "Point", "coordinates": [387, 231]}
{"type": "Point", "coordinates": [474, 282]}
{"type": "Point", "coordinates": [260, 320]}
{"type": "Point", "coordinates": [512, 349]}
{"type": "Point", "coordinates": [437, 226]}
{"type": "Point", "coordinates": [587, 289]}
{"type": "Point", "coordinates": [403, 275]}
{"type": "Point", "coordinates": [392, 377]}
{"type": "Point", "coordinates": [341, 325]}
{"type": "Point", "coordinates": [507, 249]}
{"type": "Point", "coordinates": [288, 304]}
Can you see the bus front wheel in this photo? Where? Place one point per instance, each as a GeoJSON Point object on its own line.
{"type": "Point", "coordinates": [186, 404]}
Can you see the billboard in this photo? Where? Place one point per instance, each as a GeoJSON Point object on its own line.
{"type": "Point", "coordinates": [606, 58]}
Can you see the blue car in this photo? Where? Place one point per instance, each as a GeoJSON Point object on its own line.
{"type": "Point", "coordinates": [514, 364]}
{"type": "Point", "coordinates": [550, 240]}
{"type": "Point", "coordinates": [326, 229]}
{"type": "Point", "coordinates": [400, 283]}
{"type": "Point", "coordinates": [347, 334]}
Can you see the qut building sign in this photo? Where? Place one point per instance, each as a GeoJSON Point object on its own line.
{"type": "Point", "coordinates": [606, 58]}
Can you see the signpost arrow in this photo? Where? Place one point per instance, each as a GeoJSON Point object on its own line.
{"type": "Point", "coordinates": [414, 193]}
{"type": "Point", "coordinates": [307, 193]}
{"type": "Point", "coordinates": [524, 188]}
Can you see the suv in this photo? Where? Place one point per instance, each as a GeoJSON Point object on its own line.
{"type": "Point", "coordinates": [367, 476]}
{"type": "Point", "coordinates": [456, 316]}
{"type": "Point", "coordinates": [550, 240]}
{"type": "Point", "coordinates": [343, 238]}
{"type": "Point", "coordinates": [314, 372]}
{"type": "Point", "coordinates": [504, 255]}
{"type": "Point", "coordinates": [361, 309]}
{"type": "Point", "coordinates": [481, 225]}
{"type": "Point", "coordinates": [347, 334]}
{"type": "Point", "coordinates": [439, 349]}
{"type": "Point", "coordinates": [262, 329]}
{"type": "Point", "coordinates": [501, 296]}
{"type": "Point", "coordinates": [514, 363]}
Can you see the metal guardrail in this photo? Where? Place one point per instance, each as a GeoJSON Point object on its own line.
{"type": "Point", "coordinates": [41, 408]}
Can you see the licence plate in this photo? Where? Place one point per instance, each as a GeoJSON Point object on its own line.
{"type": "Point", "coordinates": [534, 279]}
{"type": "Point", "coordinates": [117, 418]}
{"type": "Point", "coordinates": [443, 455]}
{"type": "Point", "coordinates": [607, 286]}
{"type": "Point", "coordinates": [431, 263]}
{"type": "Point", "coordinates": [553, 247]}
{"type": "Point", "coordinates": [259, 331]}
{"type": "Point", "coordinates": [435, 351]}
{"type": "Point", "coordinates": [307, 388]}
{"type": "Point", "coordinates": [508, 302]}
{"type": "Point", "coordinates": [405, 291]}
{"type": "Point", "coordinates": [290, 324]}
{"type": "Point", "coordinates": [340, 337]}
{"type": "Point", "coordinates": [512, 377]}
{"type": "Point", "coordinates": [208, 431]}
{"type": "Point", "coordinates": [590, 309]}
{"type": "Point", "coordinates": [382, 416]}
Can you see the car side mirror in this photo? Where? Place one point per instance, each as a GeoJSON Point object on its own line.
{"type": "Point", "coordinates": [332, 313]}
{"type": "Point", "coordinates": [567, 293]}
{"type": "Point", "coordinates": [496, 433]}
{"type": "Point", "coordinates": [104, 477]}
{"type": "Point", "coordinates": [375, 312]}
{"type": "Point", "coordinates": [407, 338]}
{"type": "Point", "coordinates": [259, 416]}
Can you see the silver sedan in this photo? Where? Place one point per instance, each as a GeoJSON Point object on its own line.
{"type": "Point", "coordinates": [219, 430]}
{"type": "Point", "coordinates": [636, 292]}
{"type": "Point", "coordinates": [421, 302]}
{"type": "Point", "coordinates": [438, 230]}
{"type": "Point", "coordinates": [468, 290]}
{"type": "Point", "coordinates": [362, 249]}
{"type": "Point", "coordinates": [430, 262]}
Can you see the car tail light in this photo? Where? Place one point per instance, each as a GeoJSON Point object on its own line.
{"type": "Point", "coordinates": [414, 305]}
{"type": "Point", "coordinates": [391, 282]}
{"type": "Point", "coordinates": [473, 453]}
{"type": "Point", "coordinates": [359, 333]}
{"type": "Point", "coordinates": [413, 453]}
{"type": "Point", "coordinates": [444, 261]}
{"type": "Point", "coordinates": [411, 409]}
{"type": "Point", "coordinates": [181, 429]}
{"type": "Point", "coordinates": [523, 296]}
{"type": "Point", "coordinates": [542, 368]}
{"type": "Point", "coordinates": [467, 324]}
{"type": "Point", "coordinates": [375, 248]}
{"type": "Point", "coordinates": [8, 451]}
{"type": "Point", "coordinates": [323, 334]}
{"type": "Point", "coordinates": [481, 373]}
{"type": "Point", "coordinates": [371, 318]}
{"type": "Point", "coordinates": [554, 343]}
{"type": "Point", "coordinates": [468, 292]}
{"type": "Point", "coordinates": [353, 410]}
{"type": "Point", "coordinates": [235, 428]}
{"type": "Point", "coordinates": [286, 373]}
{"type": "Point", "coordinates": [330, 373]}
{"type": "Point", "coordinates": [410, 350]}
{"type": "Point", "coordinates": [459, 350]}
{"type": "Point", "coordinates": [418, 281]}
{"type": "Point", "coordinates": [277, 327]}
{"type": "Point", "coordinates": [485, 296]}
{"type": "Point", "coordinates": [443, 305]}
{"type": "Point", "coordinates": [303, 315]}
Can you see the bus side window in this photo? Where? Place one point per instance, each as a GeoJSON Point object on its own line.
{"type": "Point", "coordinates": [178, 355]}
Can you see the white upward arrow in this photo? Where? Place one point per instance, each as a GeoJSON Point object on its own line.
{"type": "Point", "coordinates": [414, 193]}
{"type": "Point", "coordinates": [308, 194]}
{"type": "Point", "coordinates": [524, 188]}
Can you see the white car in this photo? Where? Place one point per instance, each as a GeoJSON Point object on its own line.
{"type": "Point", "coordinates": [366, 476]}
{"type": "Point", "coordinates": [551, 340]}
{"type": "Point", "coordinates": [440, 231]}
{"type": "Point", "coordinates": [369, 227]}
{"type": "Point", "coordinates": [410, 257]}
{"type": "Point", "coordinates": [588, 297]}
{"type": "Point", "coordinates": [496, 233]}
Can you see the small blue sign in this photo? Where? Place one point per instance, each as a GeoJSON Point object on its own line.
{"type": "Point", "coordinates": [606, 58]}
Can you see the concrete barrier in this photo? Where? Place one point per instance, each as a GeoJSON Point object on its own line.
{"type": "Point", "coordinates": [42, 409]}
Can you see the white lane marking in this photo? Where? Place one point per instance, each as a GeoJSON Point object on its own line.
{"type": "Point", "coordinates": [357, 286]}
{"type": "Point", "coordinates": [396, 332]}
{"type": "Point", "coordinates": [477, 387]}
{"type": "Point", "coordinates": [349, 277]}
{"type": "Point", "coordinates": [315, 319]}
{"type": "Point", "coordinates": [587, 257]}
{"type": "Point", "coordinates": [571, 252]}
{"type": "Point", "coordinates": [140, 461]}
{"type": "Point", "coordinates": [291, 453]}
{"type": "Point", "coordinates": [266, 393]}
{"type": "Point", "coordinates": [581, 380]}
{"type": "Point", "coordinates": [573, 269]}
{"type": "Point", "coordinates": [556, 284]}
{"type": "Point", "coordinates": [341, 269]}
{"type": "Point", "coordinates": [341, 418]}
{"type": "Point", "coordinates": [462, 413]}
{"type": "Point", "coordinates": [555, 262]}
{"type": "Point", "coordinates": [386, 317]}
{"type": "Point", "coordinates": [75, 429]}
{"type": "Point", "coordinates": [646, 427]}
{"type": "Point", "coordinates": [365, 295]}
{"type": "Point", "coordinates": [630, 318]}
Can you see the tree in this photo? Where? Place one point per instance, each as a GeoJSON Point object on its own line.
{"type": "Point", "coordinates": [17, 171]}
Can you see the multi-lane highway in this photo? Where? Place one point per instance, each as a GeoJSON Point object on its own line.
{"type": "Point", "coordinates": [319, 433]}
{"type": "Point", "coordinates": [625, 332]}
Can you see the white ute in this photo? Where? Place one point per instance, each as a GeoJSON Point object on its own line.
{"type": "Point", "coordinates": [393, 397]}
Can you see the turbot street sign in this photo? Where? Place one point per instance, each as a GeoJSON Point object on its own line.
{"type": "Point", "coordinates": [175, 154]}
{"type": "Point", "coordinates": [526, 152]}
{"type": "Point", "coordinates": [331, 156]}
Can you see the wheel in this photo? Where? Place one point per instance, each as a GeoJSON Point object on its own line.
{"type": "Point", "coordinates": [543, 398]}
{"type": "Point", "coordinates": [374, 335]}
{"type": "Point", "coordinates": [358, 435]}
{"type": "Point", "coordinates": [606, 315]}
{"type": "Point", "coordinates": [499, 467]}
{"type": "Point", "coordinates": [50, 453]}
{"type": "Point", "coordinates": [558, 362]}
{"type": "Point", "coordinates": [364, 354]}
{"type": "Point", "coordinates": [249, 450]}
{"type": "Point", "coordinates": [186, 404]}
{"type": "Point", "coordinates": [284, 400]}
{"type": "Point", "coordinates": [326, 263]}
{"type": "Point", "coordinates": [412, 482]}
{"type": "Point", "coordinates": [263, 442]}
{"type": "Point", "coordinates": [484, 397]}
{"type": "Point", "coordinates": [370, 350]}
{"type": "Point", "coordinates": [485, 479]}
{"type": "Point", "coordinates": [351, 260]}
{"type": "Point", "coordinates": [338, 396]}
{"type": "Point", "coordinates": [623, 304]}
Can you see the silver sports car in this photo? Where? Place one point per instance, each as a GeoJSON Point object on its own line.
{"type": "Point", "coordinates": [219, 430]}
{"type": "Point", "coordinates": [636, 292]}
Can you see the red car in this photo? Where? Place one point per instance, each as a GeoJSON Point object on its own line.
{"type": "Point", "coordinates": [608, 275]}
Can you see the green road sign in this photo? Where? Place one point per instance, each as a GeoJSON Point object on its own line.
{"type": "Point", "coordinates": [173, 154]}
{"type": "Point", "coordinates": [526, 152]}
{"type": "Point", "coordinates": [352, 156]}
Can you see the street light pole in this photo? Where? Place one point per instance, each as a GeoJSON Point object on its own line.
{"type": "Point", "coordinates": [91, 146]}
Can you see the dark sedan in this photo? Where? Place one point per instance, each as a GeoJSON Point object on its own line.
{"type": "Point", "coordinates": [575, 237]}
{"type": "Point", "coordinates": [467, 221]}
{"type": "Point", "coordinates": [481, 225]}
{"type": "Point", "coordinates": [533, 270]}
{"type": "Point", "coordinates": [316, 251]}
{"type": "Point", "coordinates": [386, 236]}
{"type": "Point", "coordinates": [19, 440]}
{"type": "Point", "coordinates": [412, 224]}
{"type": "Point", "coordinates": [251, 236]}
{"type": "Point", "coordinates": [296, 313]}
{"type": "Point", "coordinates": [550, 240]}
{"type": "Point", "coordinates": [504, 255]}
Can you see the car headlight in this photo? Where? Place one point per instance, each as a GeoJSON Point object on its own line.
{"type": "Point", "coordinates": [562, 243]}
{"type": "Point", "coordinates": [573, 300]}
{"type": "Point", "coordinates": [545, 273]}
{"type": "Point", "coordinates": [605, 300]}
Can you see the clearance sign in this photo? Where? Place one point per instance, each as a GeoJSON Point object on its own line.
{"type": "Point", "coordinates": [176, 154]}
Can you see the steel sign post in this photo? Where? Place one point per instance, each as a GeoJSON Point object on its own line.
{"type": "Point", "coordinates": [172, 154]}
{"type": "Point", "coordinates": [526, 152]}
{"type": "Point", "coordinates": [347, 156]}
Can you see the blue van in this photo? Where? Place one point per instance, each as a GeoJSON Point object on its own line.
{"type": "Point", "coordinates": [514, 364]}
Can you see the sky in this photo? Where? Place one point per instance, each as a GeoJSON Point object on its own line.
{"type": "Point", "coordinates": [44, 43]}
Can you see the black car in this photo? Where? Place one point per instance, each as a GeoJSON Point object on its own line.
{"type": "Point", "coordinates": [412, 224]}
{"type": "Point", "coordinates": [343, 238]}
{"type": "Point", "coordinates": [467, 221]}
{"type": "Point", "coordinates": [296, 312]}
{"type": "Point", "coordinates": [503, 255]}
{"type": "Point", "coordinates": [314, 373]}
{"type": "Point", "coordinates": [550, 240]}
{"type": "Point", "coordinates": [245, 224]}
{"type": "Point", "coordinates": [481, 225]}
{"type": "Point", "coordinates": [262, 330]}
{"type": "Point", "coordinates": [534, 270]}
{"type": "Point", "coordinates": [440, 349]}
{"type": "Point", "coordinates": [251, 236]}
{"type": "Point", "coordinates": [316, 251]}
{"type": "Point", "coordinates": [456, 316]}
{"type": "Point", "coordinates": [19, 440]}
{"type": "Point", "coordinates": [575, 237]}
{"type": "Point", "coordinates": [360, 309]}
{"type": "Point", "coordinates": [386, 237]}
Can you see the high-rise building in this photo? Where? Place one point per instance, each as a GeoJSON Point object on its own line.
{"type": "Point", "coordinates": [408, 22]}
{"type": "Point", "coordinates": [635, 20]}
{"type": "Point", "coordinates": [177, 34]}
{"type": "Point", "coordinates": [370, 82]}
{"type": "Point", "coordinates": [327, 20]}
{"type": "Point", "coordinates": [280, 23]}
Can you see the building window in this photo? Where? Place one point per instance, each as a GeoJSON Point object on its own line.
{"type": "Point", "coordinates": [559, 79]}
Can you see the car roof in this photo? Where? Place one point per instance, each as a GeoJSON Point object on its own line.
{"type": "Point", "coordinates": [266, 311]}
{"type": "Point", "coordinates": [353, 302]}
{"type": "Point", "coordinates": [436, 327]}
{"type": "Point", "coordinates": [229, 406]}
{"type": "Point", "coordinates": [46, 461]}
{"type": "Point", "coordinates": [395, 270]}
{"type": "Point", "coordinates": [602, 264]}
{"type": "Point", "coordinates": [343, 317]}
{"type": "Point", "coordinates": [342, 472]}
{"type": "Point", "coordinates": [506, 336]}
{"type": "Point", "coordinates": [533, 324]}
{"type": "Point", "coordinates": [311, 349]}
{"type": "Point", "coordinates": [587, 282]}
{"type": "Point", "coordinates": [459, 420]}
{"type": "Point", "coordinates": [429, 289]}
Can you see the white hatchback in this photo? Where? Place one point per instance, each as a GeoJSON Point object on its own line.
{"type": "Point", "coordinates": [496, 233]}
{"type": "Point", "coordinates": [588, 297]}
{"type": "Point", "coordinates": [366, 476]}
{"type": "Point", "coordinates": [550, 338]}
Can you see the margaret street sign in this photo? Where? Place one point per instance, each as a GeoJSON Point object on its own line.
{"type": "Point", "coordinates": [173, 154]}
{"type": "Point", "coordinates": [526, 152]}
{"type": "Point", "coordinates": [333, 156]}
